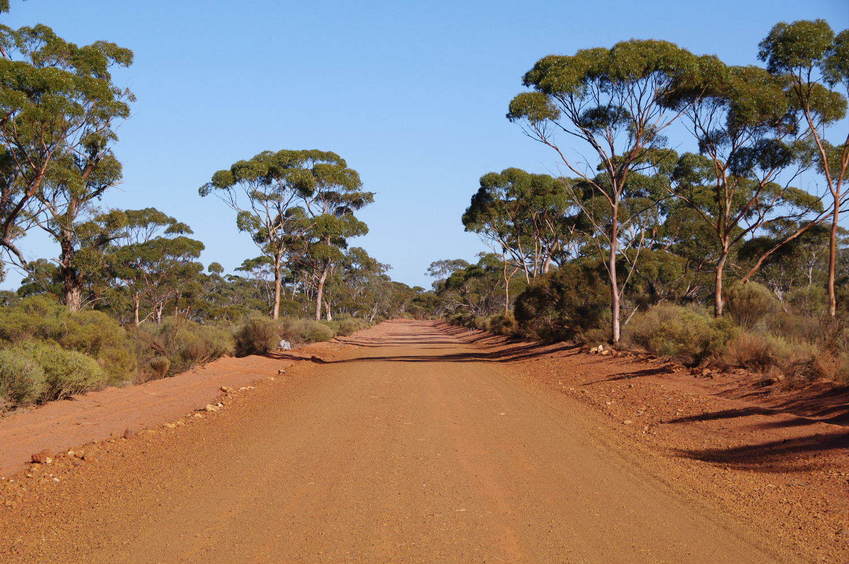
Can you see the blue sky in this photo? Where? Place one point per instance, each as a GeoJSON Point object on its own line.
{"type": "Point", "coordinates": [411, 94]}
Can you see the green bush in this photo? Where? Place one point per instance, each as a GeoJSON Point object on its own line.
{"type": "Point", "coordinates": [463, 319]}
{"type": "Point", "coordinates": [305, 331]}
{"type": "Point", "coordinates": [65, 372]}
{"type": "Point", "coordinates": [564, 303]}
{"type": "Point", "coordinates": [92, 333]}
{"type": "Point", "coordinates": [159, 366]}
{"type": "Point", "coordinates": [798, 361]}
{"type": "Point", "coordinates": [188, 344]}
{"type": "Point", "coordinates": [678, 332]}
{"type": "Point", "coordinates": [501, 324]}
{"type": "Point", "coordinates": [21, 378]}
{"type": "Point", "coordinates": [96, 334]}
{"type": "Point", "coordinates": [808, 300]}
{"type": "Point", "coordinates": [749, 303]}
{"type": "Point", "coordinates": [257, 335]}
{"type": "Point", "coordinates": [756, 352]}
{"type": "Point", "coordinates": [183, 342]}
{"type": "Point", "coordinates": [347, 326]}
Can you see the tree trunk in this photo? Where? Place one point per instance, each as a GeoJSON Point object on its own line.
{"type": "Point", "coordinates": [718, 300]}
{"type": "Point", "coordinates": [614, 282]}
{"type": "Point", "coordinates": [278, 282]}
{"type": "Point", "coordinates": [832, 260]}
{"type": "Point", "coordinates": [329, 316]}
{"type": "Point", "coordinates": [72, 293]}
{"type": "Point", "coordinates": [320, 293]}
{"type": "Point", "coordinates": [136, 305]}
{"type": "Point", "coordinates": [506, 290]}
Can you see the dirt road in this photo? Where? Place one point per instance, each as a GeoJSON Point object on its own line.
{"type": "Point", "coordinates": [407, 446]}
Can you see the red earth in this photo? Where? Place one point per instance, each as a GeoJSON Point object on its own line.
{"type": "Point", "coordinates": [421, 442]}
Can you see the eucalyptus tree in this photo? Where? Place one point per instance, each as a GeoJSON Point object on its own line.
{"type": "Point", "coordinates": [268, 192]}
{"type": "Point", "coordinates": [526, 215]}
{"type": "Point", "coordinates": [811, 59]}
{"type": "Point", "coordinates": [740, 181]}
{"type": "Point", "coordinates": [148, 257]}
{"type": "Point", "coordinates": [58, 108]}
{"type": "Point", "coordinates": [609, 100]}
{"type": "Point", "coordinates": [334, 192]}
{"type": "Point", "coordinates": [443, 268]}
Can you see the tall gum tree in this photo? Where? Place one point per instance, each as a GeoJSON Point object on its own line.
{"type": "Point", "coordinates": [267, 192]}
{"type": "Point", "coordinates": [527, 216]}
{"type": "Point", "coordinates": [750, 154]}
{"type": "Point", "coordinates": [811, 59]}
{"type": "Point", "coordinates": [148, 258]}
{"type": "Point", "coordinates": [58, 108]}
{"type": "Point", "coordinates": [334, 194]}
{"type": "Point", "coordinates": [611, 101]}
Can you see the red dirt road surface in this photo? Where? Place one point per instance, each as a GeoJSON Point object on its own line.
{"type": "Point", "coordinates": [408, 443]}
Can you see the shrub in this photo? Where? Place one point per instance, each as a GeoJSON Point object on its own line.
{"type": "Point", "coordinates": [21, 378]}
{"type": "Point", "coordinates": [257, 335]}
{"type": "Point", "coordinates": [501, 324]}
{"type": "Point", "coordinates": [808, 300]}
{"type": "Point", "coordinates": [305, 331]}
{"type": "Point", "coordinates": [92, 333]}
{"type": "Point", "coordinates": [159, 366]}
{"type": "Point", "coordinates": [833, 366]}
{"type": "Point", "coordinates": [348, 326]}
{"type": "Point", "coordinates": [96, 334]}
{"type": "Point", "coordinates": [797, 361]}
{"type": "Point", "coordinates": [677, 332]}
{"type": "Point", "coordinates": [756, 352]}
{"type": "Point", "coordinates": [463, 319]}
{"type": "Point", "coordinates": [188, 344]}
{"type": "Point", "coordinates": [564, 303]}
{"type": "Point", "coordinates": [183, 342]}
{"type": "Point", "coordinates": [749, 303]}
{"type": "Point", "coordinates": [65, 372]}
{"type": "Point", "coordinates": [795, 327]}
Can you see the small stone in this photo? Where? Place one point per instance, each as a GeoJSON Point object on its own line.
{"type": "Point", "coordinates": [226, 389]}
{"type": "Point", "coordinates": [128, 433]}
{"type": "Point", "coordinates": [627, 422]}
{"type": "Point", "coordinates": [42, 457]}
{"type": "Point", "coordinates": [210, 407]}
{"type": "Point", "coordinates": [171, 425]}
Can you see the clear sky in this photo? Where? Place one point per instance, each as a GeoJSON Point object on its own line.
{"type": "Point", "coordinates": [411, 94]}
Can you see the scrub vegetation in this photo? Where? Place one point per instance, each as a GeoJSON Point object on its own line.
{"type": "Point", "coordinates": [714, 256]}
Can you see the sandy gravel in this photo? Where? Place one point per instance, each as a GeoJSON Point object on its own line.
{"type": "Point", "coordinates": [412, 442]}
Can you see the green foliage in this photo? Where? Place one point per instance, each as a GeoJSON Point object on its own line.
{"type": "Point", "coordinates": [66, 372]}
{"type": "Point", "coordinates": [563, 304]}
{"type": "Point", "coordinates": [184, 343]}
{"type": "Point", "coordinates": [93, 333]}
{"type": "Point", "coordinates": [346, 326]}
{"type": "Point", "coordinates": [305, 331]}
{"type": "Point", "coordinates": [257, 335]}
{"type": "Point", "coordinates": [749, 303]}
{"type": "Point", "coordinates": [22, 379]}
{"type": "Point", "coordinates": [501, 324]}
{"type": "Point", "coordinates": [525, 214]}
{"type": "Point", "coordinates": [808, 300]}
{"type": "Point", "coordinates": [684, 334]}
{"type": "Point", "coordinates": [59, 107]}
